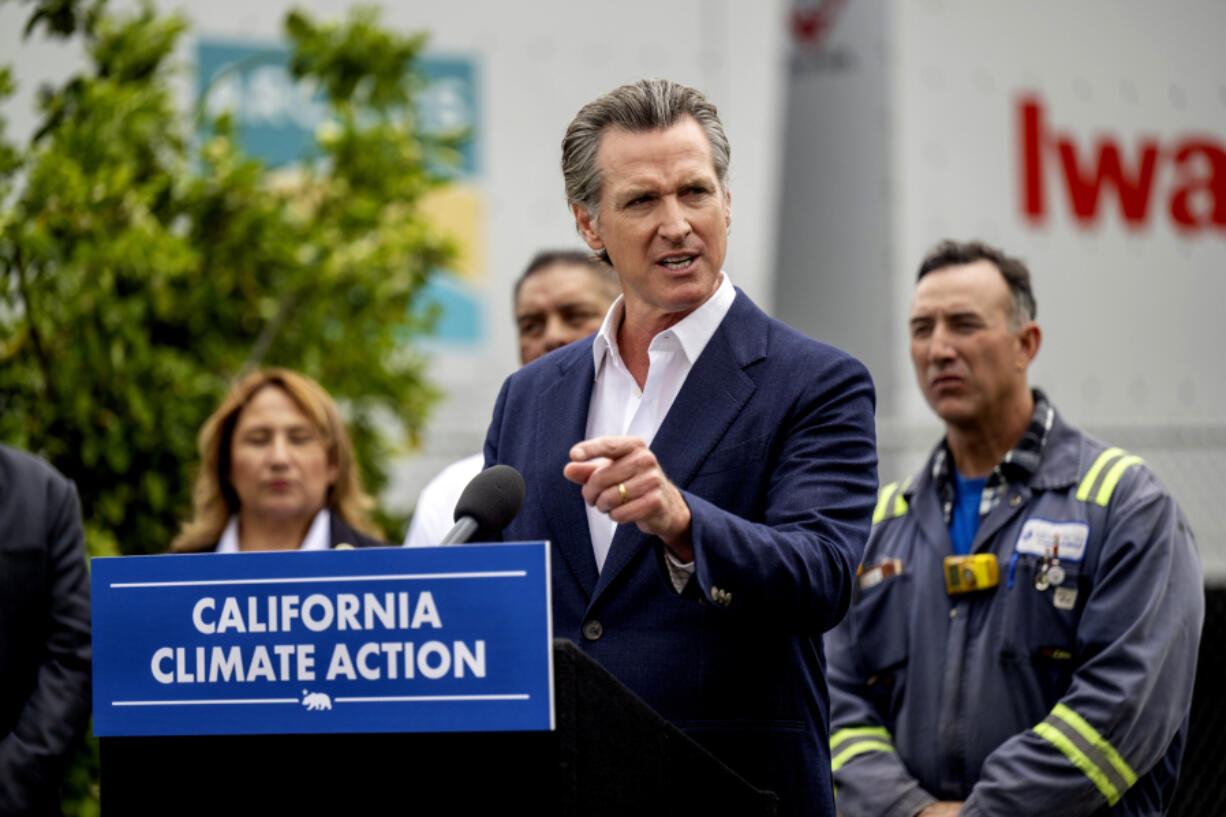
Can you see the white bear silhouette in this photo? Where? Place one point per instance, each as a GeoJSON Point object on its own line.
{"type": "Point", "coordinates": [315, 701]}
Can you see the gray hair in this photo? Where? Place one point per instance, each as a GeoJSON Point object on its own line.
{"type": "Point", "coordinates": [649, 104]}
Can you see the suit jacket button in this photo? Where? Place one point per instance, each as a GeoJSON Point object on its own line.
{"type": "Point", "coordinates": [593, 630]}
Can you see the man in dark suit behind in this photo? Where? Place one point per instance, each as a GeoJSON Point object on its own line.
{"type": "Point", "coordinates": [705, 474]}
{"type": "Point", "coordinates": [44, 632]}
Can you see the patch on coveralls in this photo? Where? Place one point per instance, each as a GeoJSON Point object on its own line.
{"type": "Point", "coordinates": [1064, 598]}
{"type": "Point", "coordinates": [1064, 540]}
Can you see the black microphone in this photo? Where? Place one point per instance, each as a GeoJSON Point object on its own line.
{"type": "Point", "coordinates": [487, 505]}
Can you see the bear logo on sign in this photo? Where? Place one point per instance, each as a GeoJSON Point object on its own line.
{"type": "Point", "coordinates": [316, 701]}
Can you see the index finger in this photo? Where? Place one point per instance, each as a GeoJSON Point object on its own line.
{"type": "Point", "coordinates": [610, 446]}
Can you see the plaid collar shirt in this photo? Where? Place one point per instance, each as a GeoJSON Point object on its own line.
{"type": "Point", "coordinates": [1017, 466]}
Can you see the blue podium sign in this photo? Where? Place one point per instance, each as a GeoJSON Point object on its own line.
{"type": "Point", "coordinates": [452, 639]}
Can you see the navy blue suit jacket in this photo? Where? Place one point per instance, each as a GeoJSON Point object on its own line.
{"type": "Point", "coordinates": [771, 441]}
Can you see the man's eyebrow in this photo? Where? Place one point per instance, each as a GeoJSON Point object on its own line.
{"type": "Point", "coordinates": [631, 193]}
{"type": "Point", "coordinates": [951, 315]}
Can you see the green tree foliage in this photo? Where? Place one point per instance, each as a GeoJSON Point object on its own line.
{"type": "Point", "coordinates": [141, 271]}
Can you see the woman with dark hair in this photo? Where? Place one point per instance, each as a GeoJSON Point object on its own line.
{"type": "Point", "coordinates": [277, 473]}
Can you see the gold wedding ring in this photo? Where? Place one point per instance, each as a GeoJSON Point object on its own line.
{"type": "Point", "coordinates": [621, 489]}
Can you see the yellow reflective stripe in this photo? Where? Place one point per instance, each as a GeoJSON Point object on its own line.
{"type": "Point", "coordinates": [890, 501]}
{"type": "Point", "coordinates": [1083, 490]}
{"type": "Point", "coordinates": [861, 739]}
{"type": "Point", "coordinates": [1079, 760]}
{"type": "Point", "coordinates": [1089, 752]}
{"type": "Point", "coordinates": [900, 501]}
{"type": "Point", "coordinates": [883, 502]}
{"type": "Point", "coordinates": [858, 748]}
{"type": "Point", "coordinates": [858, 732]}
{"type": "Point", "coordinates": [1096, 740]}
{"type": "Point", "coordinates": [1113, 477]}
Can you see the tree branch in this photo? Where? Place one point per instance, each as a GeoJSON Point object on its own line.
{"type": "Point", "coordinates": [23, 288]}
{"type": "Point", "coordinates": [270, 331]}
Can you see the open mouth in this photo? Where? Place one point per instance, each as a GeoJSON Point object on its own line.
{"type": "Point", "coordinates": [678, 262]}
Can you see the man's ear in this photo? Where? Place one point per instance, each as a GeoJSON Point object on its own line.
{"type": "Point", "coordinates": [586, 226]}
{"type": "Point", "coordinates": [1029, 339]}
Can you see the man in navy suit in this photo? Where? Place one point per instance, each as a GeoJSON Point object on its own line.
{"type": "Point", "coordinates": [705, 474]}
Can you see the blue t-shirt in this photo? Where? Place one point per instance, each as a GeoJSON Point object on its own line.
{"type": "Point", "coordinates": [964, 521]}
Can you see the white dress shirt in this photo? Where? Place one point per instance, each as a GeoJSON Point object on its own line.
{"type": "Point", "coordinates": [619, 408]}
{"type": "Point", "coordinates": [317, 537]}
{"type": "Point", "coordinates": [434, 515]}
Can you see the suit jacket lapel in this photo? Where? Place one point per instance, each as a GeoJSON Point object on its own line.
{"type": "Point", "coordinates": [562, 422]}
{"type": "Point", "coordinates": [714, 393]}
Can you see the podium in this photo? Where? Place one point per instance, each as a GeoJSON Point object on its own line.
{"type": "Point", "coordinates": [610, 754]}
{"type": "Point", "coordinates": [380, 680]}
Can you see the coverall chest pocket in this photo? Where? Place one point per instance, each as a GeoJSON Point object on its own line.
{"type": "Point", "coordinates": [880, 621]}
{"type": "Point", "coordinates": [1039, 625]}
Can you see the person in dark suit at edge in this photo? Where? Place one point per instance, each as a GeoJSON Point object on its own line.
{"type": "Point", "coordinates": [277, 473]}
{"type": "Point", "coordinates": [706, 475]}
{"type": "Point", "coordinates": [44, 633]}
